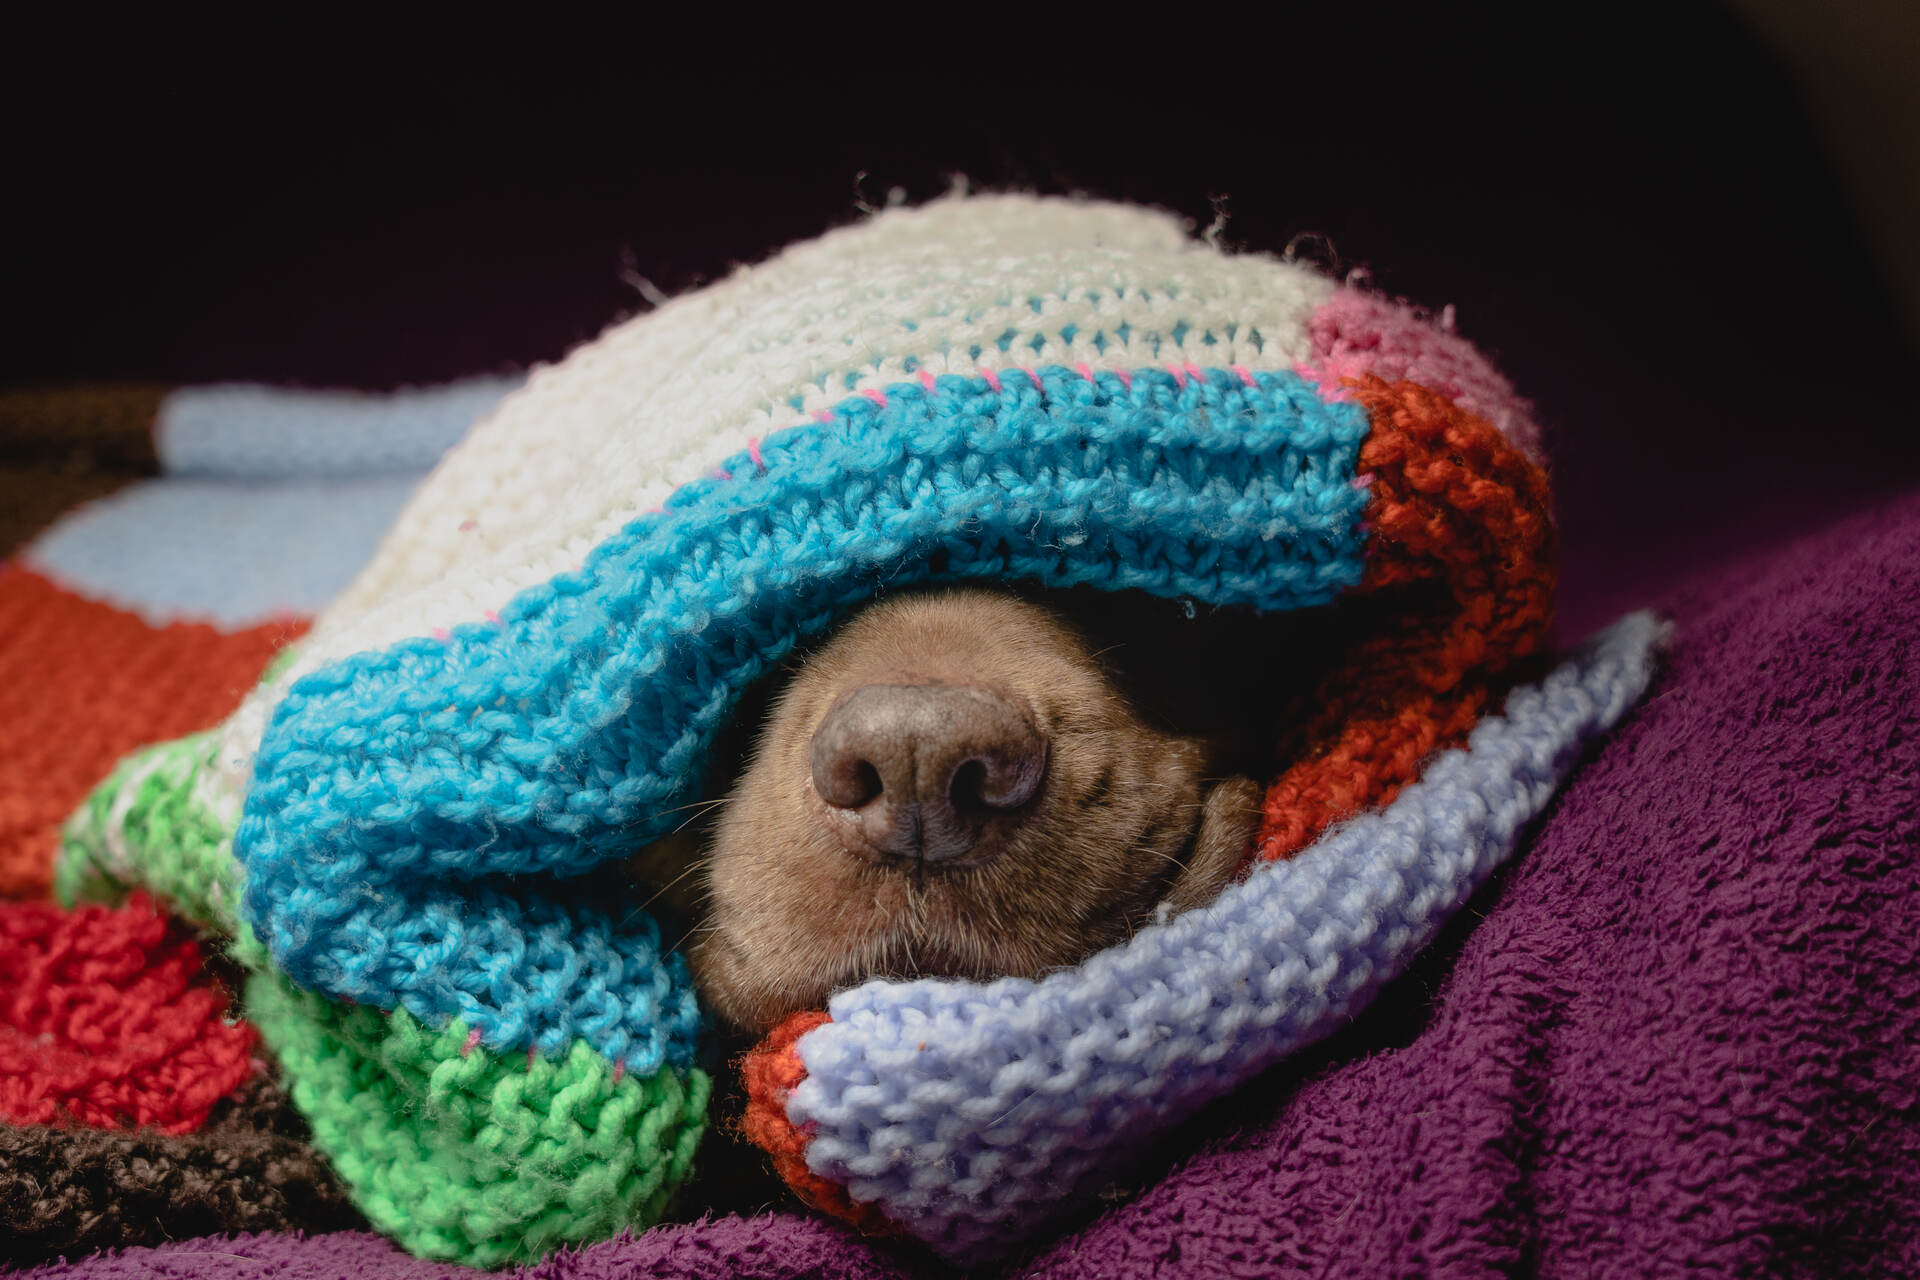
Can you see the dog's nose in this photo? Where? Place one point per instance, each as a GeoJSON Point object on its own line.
{"type": "Point", "coordinates": [933, 772]}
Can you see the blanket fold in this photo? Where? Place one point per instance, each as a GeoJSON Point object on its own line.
{"type": "Point", "coordinates": [525, 682]}
{"type": "Point", "coordinates": [1677, 1037]}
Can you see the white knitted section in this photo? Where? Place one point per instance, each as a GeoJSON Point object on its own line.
{"type": "Point", "coordinates": [606, 435]}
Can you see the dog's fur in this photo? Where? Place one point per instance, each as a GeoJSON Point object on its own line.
{"type": "Point", "coordinates": [1158, 718]}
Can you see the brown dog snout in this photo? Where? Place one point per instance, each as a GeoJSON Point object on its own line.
{"type": "Point", "coordinates": [926, 772]}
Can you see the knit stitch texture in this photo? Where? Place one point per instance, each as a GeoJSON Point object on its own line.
{"type": "Point", "coordinates": [453, 1149]}
{"type": "Point", "coordinates": [526, 680]}
{"type": "Point", "coordinates": [56, 651]}
{"type": "Point", "coordinates": [250, 1167]}
{"type": "Point", "coordinates": [1453, 506]}
{"type": "Point", "coordinates": [1359, 335]}
{"type": "Point", "coordinates": [574, 727]}
{"type": "Point", "coordinates": [108, 1019]}
{"type": "Point", "coordinates": [503, 1160]}
{"type": "Point", "coordinates": [1673, 1038]}
{"type": "Point", "coordinates": [965, 1112]}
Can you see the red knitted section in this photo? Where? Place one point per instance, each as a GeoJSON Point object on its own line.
{"type": "Point", "coordinates": [82, 684]}
{"type": "Point", "coordinates": [772, 1071]}
{"type": "Point", "coordinates": [109, 1019]}
{"type": "Point", "coordinates": [1454, 505]}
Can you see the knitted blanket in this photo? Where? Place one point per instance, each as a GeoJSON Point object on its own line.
{"type": "Point", "coordinates": [132, 1107]}
{"type": "Point", "coordinates": [523, 682]}
{"type": "Point", "coordinates": [1674, 1038]}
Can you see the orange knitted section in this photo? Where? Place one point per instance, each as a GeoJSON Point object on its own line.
{"type": "Point", "coordinates": [108, 1019]}
{"type": "Point", "coordinates": [82, 684]}
{"type": "Point", "coordinates": [1453, 504]}
{"type": "Point", "coordinates": [772, 1071]}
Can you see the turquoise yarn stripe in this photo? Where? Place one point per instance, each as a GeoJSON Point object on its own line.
{"type": "Point", "coordinates": [414, 810]}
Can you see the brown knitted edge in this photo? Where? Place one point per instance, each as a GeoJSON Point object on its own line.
{"type": "Point", "coordinates": [62, 446]}
{"type": "Point", "coordinates": [75, 1191]}
{"type": "Point", "coordinates": [108, 426]}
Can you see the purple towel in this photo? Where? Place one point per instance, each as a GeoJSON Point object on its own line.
{"type": "Point", "coordinates": [1680, 1037]}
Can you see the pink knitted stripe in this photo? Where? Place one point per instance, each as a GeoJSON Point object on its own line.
{"type": "Point", "coordinates": [1356, 333]}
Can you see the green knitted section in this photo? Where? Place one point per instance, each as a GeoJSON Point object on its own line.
{"type": "Point", "coordinates": [455, 1152]}
{"type": "Point", "coordinates": [147, 827]}
{"type": "Point", "coordinates": [461, 1155]}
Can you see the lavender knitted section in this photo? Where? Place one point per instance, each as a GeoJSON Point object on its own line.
{"type": "Point", "coordinates": [1680, 1041]}
{"type": "Point", "coordinates": [969, 1111]}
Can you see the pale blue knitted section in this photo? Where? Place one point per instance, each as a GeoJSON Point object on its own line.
{"type": "Point", "coordinates": [968, 1111]}
{"type": "Point", "coordinates": [415, 812]}
{"type": "Point", "coordinates": [242, 431]}
{"type": "Point", "coordinates": [230, 552]}
{"type": "Point", "coordinates": [271, 502]}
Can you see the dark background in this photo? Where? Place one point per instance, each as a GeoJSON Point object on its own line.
{"type": "Point", "coordinates": [1635, 210]}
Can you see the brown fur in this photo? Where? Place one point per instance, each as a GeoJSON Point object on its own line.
{"type": "Point", "coordinates": [1132, 813]}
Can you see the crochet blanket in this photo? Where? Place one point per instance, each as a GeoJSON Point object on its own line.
{"type": "Point", "coordinates": [1674, 1037]}
{"type": "Point", "coordinates": [392, 832]}
{"type": "Point", "coordinates": [1601, 683]}
{"type": "Point", "coordinates": [134, 1109]}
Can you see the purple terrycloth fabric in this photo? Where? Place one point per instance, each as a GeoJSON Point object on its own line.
{"type": "Point", "coordinates": [1681, 1038]}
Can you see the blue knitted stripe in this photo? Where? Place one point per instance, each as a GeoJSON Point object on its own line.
{"type": "Point", "coordinates": [968, 1111]}
{"type": "Point", "coordinates": [395, 792]}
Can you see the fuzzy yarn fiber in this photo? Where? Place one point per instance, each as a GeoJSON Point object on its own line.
{"type": "Point", "coordinates": [1674, 1038]}
{"type": "Point", "coordinates": [524, 683]}
{"type": "Point", "coordinates": [73, 1190]}
{"type": "Point", "coordinates": [107, 1019]}
{"type": "Point", "coordinates": [56, 650]}
{"type": "Point", "coordinates": [962, 1112]}
{"type": "Point", "coordinates": [456, 1151]}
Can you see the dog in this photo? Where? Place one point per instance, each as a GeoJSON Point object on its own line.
{"type": "Point", "coordinates": [981, 782]}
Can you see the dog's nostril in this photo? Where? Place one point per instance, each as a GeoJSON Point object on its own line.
{"type": "Point", "coordinates": [933, 772]}
{"type": "Point", "coordinates": [1005, 781]}
{"type": "Point", "coordinates": [969, 786]}
{"type": "Point", "coordinates": [847, 782]}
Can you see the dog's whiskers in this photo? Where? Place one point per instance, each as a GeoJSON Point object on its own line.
{"type": "Point", "coordinates": [662, 890]}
